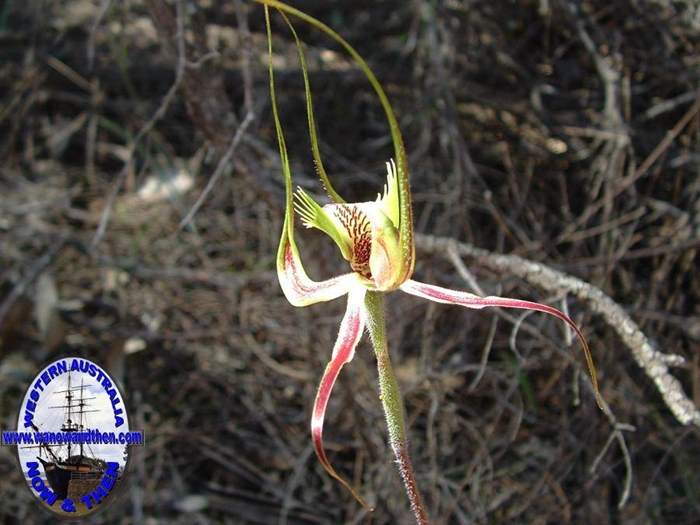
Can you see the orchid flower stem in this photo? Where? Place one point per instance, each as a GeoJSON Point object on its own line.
{"type": "Point", "coordinates": [390, 396]}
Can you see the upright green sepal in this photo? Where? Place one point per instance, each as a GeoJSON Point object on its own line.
{"type": "Point", "coordinates": [295, 283]}
{"type": "Point", "coordinates": [311, 121]}
{"type": "Point", "coordinates": [405, 221]}
{"type": "Point", "coordinates": [287, 243]}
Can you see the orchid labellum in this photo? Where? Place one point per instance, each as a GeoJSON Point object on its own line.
{"type": "Point", "coordinates": [376, 238]}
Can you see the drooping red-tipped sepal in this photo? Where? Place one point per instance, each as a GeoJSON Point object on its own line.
{"type": "Point", "coordinates": [469, 300]}
{"type": "Point", "coordinates": [349, 335]}
{"type": "Point", "coordinates": [300, 290]}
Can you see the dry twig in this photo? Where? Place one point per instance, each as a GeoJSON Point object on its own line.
{"type": "Point", "coordinates": [654, 363]}
{"type": "Point", "coordinates": [148, 126]}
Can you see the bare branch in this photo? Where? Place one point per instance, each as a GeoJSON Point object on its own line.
{"type": "Point", "coordinates": [223, 162]}
{"type": "Point", "coordinates": [654, 363]}
{"type": "Point", "coordinates": [148, 126]}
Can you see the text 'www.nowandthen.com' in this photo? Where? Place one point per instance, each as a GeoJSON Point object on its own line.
{"type": "Point", "coordinates": [82, 437]}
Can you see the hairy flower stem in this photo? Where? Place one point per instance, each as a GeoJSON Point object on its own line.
{"type": "Point", "coordinates": [390, 396]}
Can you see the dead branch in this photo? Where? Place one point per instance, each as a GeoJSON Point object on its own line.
{"type": "Point", "coordinates": [148, 126]}
{"type": "Point", "coordinates": [34, 271]}
{"type": "Point", "coordinates": [223, 162]}
{"type": "Point", "coordinates": [654, 363]}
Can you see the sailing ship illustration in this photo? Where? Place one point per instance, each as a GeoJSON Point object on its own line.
{"type": "Point", "coordinates": [71, 469]}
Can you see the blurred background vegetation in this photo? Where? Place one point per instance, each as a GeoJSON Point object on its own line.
{"type": "Point", "coordinates": [567, 132]}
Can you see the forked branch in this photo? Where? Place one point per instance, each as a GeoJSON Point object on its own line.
{"type": "Point", "coordinates": [654, 363]}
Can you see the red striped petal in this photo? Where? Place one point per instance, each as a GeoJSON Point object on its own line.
{"type": "Point", "coordinates": [469, 300]}
{"type": "Point", "coordinates": [350, 333]}
{"type": "Point", "coordinates": [300, 290]}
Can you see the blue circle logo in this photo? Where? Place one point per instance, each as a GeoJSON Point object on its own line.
{"type": "Point", "coordinates": [73, 437]}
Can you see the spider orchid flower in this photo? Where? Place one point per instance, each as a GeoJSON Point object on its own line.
{"type": "Point", "coordinates": [376, 238]}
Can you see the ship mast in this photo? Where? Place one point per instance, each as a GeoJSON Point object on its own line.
{"type": "Point", "coordinates": [81, 413]}
{"type": "Point", "coordinates": [70, 425]}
